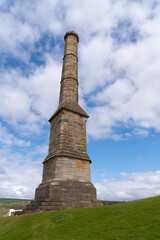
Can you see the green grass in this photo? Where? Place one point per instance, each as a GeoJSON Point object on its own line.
{"type": "Point", "coordinates": [137, 220]}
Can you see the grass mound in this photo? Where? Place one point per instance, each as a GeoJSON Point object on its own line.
{"type": "Point", "coordinates": [137, 220]}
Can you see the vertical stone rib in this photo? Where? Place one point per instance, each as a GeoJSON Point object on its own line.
{"type": "Point", "coordinates": [69, 80]}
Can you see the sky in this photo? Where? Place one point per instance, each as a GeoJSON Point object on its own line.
{"type": "Point", "coordinates": [119, 87]}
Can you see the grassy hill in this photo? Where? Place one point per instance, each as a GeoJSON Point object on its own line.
{"type": "Point", "coordinates": [137, 220]}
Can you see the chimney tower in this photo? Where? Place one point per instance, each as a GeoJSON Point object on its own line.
{"type": "Point", "coordinates": [66, 170]}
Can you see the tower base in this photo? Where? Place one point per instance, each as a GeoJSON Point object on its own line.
{"type": "Point", "coordinates": [59, 195]}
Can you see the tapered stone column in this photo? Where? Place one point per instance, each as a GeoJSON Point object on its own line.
{"type": "Point", "coordinates": [66, 170]}
{"type": "Point", "coordinates": [69, 80]}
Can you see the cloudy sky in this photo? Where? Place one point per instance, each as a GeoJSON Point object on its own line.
{"type": "Point", "coordinates": [119, 87]}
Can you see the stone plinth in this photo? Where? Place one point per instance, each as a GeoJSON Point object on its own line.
{"type": "Point", "coordinates": [67, 194]}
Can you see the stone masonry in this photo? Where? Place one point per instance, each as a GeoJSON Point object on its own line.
{"type": "Point", "coordinates": [66, 170]}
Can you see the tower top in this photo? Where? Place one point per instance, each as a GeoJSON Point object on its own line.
{"type": "Point", "coordinates": [71, 33]}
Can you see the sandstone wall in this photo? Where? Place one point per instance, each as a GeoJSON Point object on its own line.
{"type": "Point", "coordinates": [68, 133]}
{"type": "Point", "coordinates": [64, 168]}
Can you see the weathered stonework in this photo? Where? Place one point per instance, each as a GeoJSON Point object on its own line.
{"type": "Point", "coordinates": [66, 170]}
{"type": "Point", "coordinates": [61, 168]}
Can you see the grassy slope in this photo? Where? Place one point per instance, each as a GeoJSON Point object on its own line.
{"type": "Point", "coordinates": [137, 220]}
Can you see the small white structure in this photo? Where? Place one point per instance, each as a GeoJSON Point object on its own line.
{"type": "Point", "coordinates": [13, 212]}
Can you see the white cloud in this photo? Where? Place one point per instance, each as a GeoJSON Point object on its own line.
{"type": "Point", "coordinates": [26, 22]}
{"type": "Point", "coordinates": [43, 86]}
{"type": "Point", "coordinates": [9, 139]}
{"type": "Point", "coordinates": [15, 102]}
{"type": "Point", "coordinates": [27, 101]}
{"type": "Point", "coordinates": [133, 96]}
{"type": "Point", "coordinates": [15, 32]}
{"type": "Point", "coordinates": [131, 187]}
{"type": "Point", "coordinates": [21, 173]}
{"type": "Point", "coordinates": [141, 132]}
{"type": "Point", "coordinates": [115, 93]}
{"type": "Point", "coordinates": [94, 66]}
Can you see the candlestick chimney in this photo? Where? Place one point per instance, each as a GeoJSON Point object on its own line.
{"type": "Point", "coordinates": [66, 170]}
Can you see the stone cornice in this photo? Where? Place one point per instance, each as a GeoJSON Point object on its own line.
{"type": "Point", "coordinates": [71, 33]}
{"type": "Point", "coordinates": [74, 155]}
{"type": "Point", "coordinates": [70, 107]}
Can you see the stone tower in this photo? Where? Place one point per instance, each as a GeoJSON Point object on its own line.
{"type": "Point", "coordinates": [66, 170]}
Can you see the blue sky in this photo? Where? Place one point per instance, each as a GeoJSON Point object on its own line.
{"type": "Point", "coordinates": [119, 85]}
